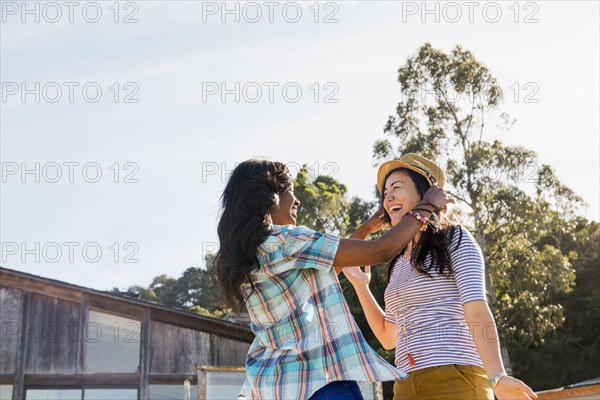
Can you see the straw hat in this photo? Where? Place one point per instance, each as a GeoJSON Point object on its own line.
{"type": "Point", "coordinates": [421, 165]}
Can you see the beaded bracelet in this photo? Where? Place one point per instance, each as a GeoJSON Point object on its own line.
{"type": "Point", "coordinates": [436, 209]}
{"type": "Point", "coordinates": [420, 218]}
{"type": "Point", "coordinates": [432, 212]}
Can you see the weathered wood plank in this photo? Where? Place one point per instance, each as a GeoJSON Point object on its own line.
{"type": "Point", "coordinates": [36, 286]}
{"type": "Point", "coordinates": [146, 333]}
{"type": "Point", "coordinates": [220, 368]}
{"type": "Point", "coordinates": [53, 332]}
{"type": "Point", "coordinates": [177, 350]}
{"type": "Point", "coordinates": [81, 379]}
{"type": "Point", "coordinates": [11, 311]}
{"type": "Point", "coordinates": [19, 388]}
{"type": "Point", "coordinates": [229, 352]}
{"type": "Point", "coordinates": [82, 344]}
{"type": "Point", "coordinates": [210, 325]}
{"type": "Point", "coordinates": [117, 307]}
{"type": "Point", "coordinates": [171, 378]}
{"type": "Point", "coordinates": [201, 386]}
{"type": "Point", "coordinates": [102, 379]}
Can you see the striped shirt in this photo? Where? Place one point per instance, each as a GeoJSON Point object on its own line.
{"type": "Point", "coordinates": [431, 308]}
{"type": "Point", "coordinates": [306, 336]}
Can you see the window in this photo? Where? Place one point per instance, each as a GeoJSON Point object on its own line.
{"type": "Point", "coordinates": [104, 394]}
{"type": "Point", "coordinates": [78, 394]}
{"type": "Point", "coordinates": [224, 385]}
{"type": "Point", "coordinates": [172, 392]}
{"type": "Point", "coordinates": [6, 392]}
{"type": "Point", "coordinates": [113, 343]}
{"type": "Point", "coordinates": [53, 394]}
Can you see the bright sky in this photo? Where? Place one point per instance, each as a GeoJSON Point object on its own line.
{"type": "Point", "coordinates": [151, 105]}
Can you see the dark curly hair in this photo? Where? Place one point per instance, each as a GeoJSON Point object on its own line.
{"type": "Point", "coordinates": [435, 241]}
{"type": "Point", "coordinates": [252, 190]}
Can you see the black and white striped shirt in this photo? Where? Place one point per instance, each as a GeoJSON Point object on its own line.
{"type": "Point", "coordinates": [431, 308]}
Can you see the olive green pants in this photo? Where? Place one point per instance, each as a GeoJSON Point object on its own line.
{"type": "Point", "coordinates": [445, 382]}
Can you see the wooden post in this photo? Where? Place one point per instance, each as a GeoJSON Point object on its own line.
{"type": "Point", "coordinates": [146, 331]}
{"type": "Point", "coordinates": [377, 391]}
{"type": "Point", "coordinates": [82, 334]}
{"type": "Point", "coordinates": [201, 383]}
{"type": "Point", "coordinates": [19, 389]}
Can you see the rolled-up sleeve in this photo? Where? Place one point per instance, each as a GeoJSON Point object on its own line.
{"type": "Point", "coordinates": [300, 247]}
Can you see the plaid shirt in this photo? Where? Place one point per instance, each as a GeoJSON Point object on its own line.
{"type": "Point", "coordinates": [305, 334]}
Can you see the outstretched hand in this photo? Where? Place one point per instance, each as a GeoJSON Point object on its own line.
{"type": "Point", "coordinates": [357, 276]}
{"type": "Point", "coordinates": [510, 388]}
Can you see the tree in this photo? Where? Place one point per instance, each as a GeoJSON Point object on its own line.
{"type": "Point", "coordinates": [322, 204]}
{"type": "Point", "coordinates": [196, 290]}
{"type": "Point", "coordinates": [447, 103]}
{"type": "Point", "coordinates": [571, 353]}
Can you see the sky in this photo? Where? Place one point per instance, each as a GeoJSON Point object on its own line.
{"type": "Point", "coordinates": [120, 122]}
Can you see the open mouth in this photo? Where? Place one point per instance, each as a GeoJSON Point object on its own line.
{"type": "Point", "coordinates": [394, 209]}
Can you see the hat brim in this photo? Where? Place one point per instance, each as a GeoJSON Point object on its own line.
{"type": "Point", "coordinates": [388, 166]}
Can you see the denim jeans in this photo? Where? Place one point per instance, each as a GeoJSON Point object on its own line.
{"type": "Point", "coordinates": [338, 390]}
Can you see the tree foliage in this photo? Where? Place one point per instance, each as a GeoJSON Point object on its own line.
{"type": "Point", "coordinates": [196, 290]}
{"type": "Point", "coordinates": [513, 202]}
{"type": "Point", "coordinates": [322, 204]}
{"type": "Point", "coordinates": [572, 352]}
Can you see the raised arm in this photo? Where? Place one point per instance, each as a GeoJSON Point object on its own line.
{"type": "Point", "coordinates": [353, 252]}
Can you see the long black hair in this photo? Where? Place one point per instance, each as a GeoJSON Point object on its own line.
{"type": "Point", "coordinates": [252, 190]}
{"type": "Point", "coordinates": [435, 241]}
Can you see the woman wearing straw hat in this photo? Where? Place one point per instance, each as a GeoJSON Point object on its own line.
{"type": "Point", "coordinates": [436, 315]}
{"type": "Point", "coordinates": [307, 344]}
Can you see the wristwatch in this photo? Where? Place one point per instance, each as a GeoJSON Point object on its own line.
{"type": "Point", "coordinates": [496, 378]}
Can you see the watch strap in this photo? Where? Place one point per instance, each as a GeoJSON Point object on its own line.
{"type": "Point", "coordinates": [496, 378]}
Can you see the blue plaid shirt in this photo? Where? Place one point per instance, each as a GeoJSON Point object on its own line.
{"type": "Point", "coordinates": [306, 336]}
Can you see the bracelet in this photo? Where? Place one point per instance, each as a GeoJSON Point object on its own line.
{"type": "Point", "coordinates": [426, 203]}
{"type": "Point", "coordinates": [423, 209]}
{"type": "Point", "coordinates": [421, 218]}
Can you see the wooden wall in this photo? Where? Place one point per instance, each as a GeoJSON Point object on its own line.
{"type": "Point", "coordinates": [52, 337]}
{"type": "Point", "coordinates": [178, 350]}
{"type": "Point", "coordinates": [10, 322]}
{"type": "Point", "coordinates": [42, 341]}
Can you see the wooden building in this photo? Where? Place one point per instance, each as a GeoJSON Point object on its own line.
{"type": "Point", "coordinates": [66, 342]}
{"type": "Point", "coordinates": [62, 341]}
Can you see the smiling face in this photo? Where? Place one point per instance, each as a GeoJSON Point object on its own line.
{"type": "Point", "coordinates": [287, 211]}
{"type": "Point", "coordinates": [400, 195]}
